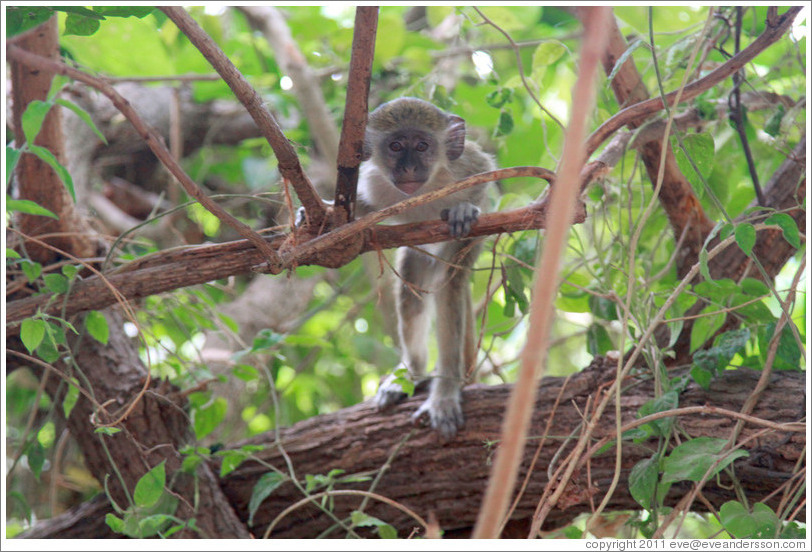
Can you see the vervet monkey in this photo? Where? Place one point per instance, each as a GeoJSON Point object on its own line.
{"type": "Point", "coordinates": [412, 147]}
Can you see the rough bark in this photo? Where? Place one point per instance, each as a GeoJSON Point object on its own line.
{"type": "Point", "coordinates": [448, 479]}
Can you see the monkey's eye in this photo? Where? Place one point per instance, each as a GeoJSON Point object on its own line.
{"type": "Point", "coordinates": [395, 146]}
{"type": "Point", "coordinates": [421, 146]}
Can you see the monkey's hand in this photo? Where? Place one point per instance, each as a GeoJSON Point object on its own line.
{"type": "Point", "coordinates": [389, 393]}
{"type": "Point", "coordinates": [461, 218]}
{"type": "Point", "coordinates": [443, 410]}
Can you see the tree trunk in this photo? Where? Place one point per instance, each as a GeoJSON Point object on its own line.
{"type": "Point", "coordinates": [112, 374]}
{"type": "Point", "coordinates": [448, 479]}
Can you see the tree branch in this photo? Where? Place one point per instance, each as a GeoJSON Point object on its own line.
{"type": "Point", "coordinates": [289, 165]}
{"type": "Point", "coordinates": [448, 478]}
{"type": "Point", "coordinates": [153, 140]}
{"type": "Point", "coordinates": [306, 86]}
{"type": "Point", "coordinates": [639, 111]}
{"type": "Point", "coordinates": [356, 108]}
{"type": "Point", "coordinates": [186, 266]}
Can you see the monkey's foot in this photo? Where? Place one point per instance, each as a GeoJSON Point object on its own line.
{"type": "Point", "coordinates": [444, 413]}
{"type": "Point", "coordinates": [389, 393]}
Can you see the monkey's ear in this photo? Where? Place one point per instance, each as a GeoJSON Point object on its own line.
{"type": "Point", "coordinates": [455, 137]}
{"type": "Point", "coordinates": [366, 150]}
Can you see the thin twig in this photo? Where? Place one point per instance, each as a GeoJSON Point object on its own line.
{"type": "Point", "coordinates": [345, 492]}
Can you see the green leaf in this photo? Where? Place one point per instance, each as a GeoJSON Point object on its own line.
{"type": "Point", "coordinates": [773, 124]}
{"type": "Point", "coordinates": [700, 149]}
{"type": "Point", "coordinates": [545, 54]}
{"type": "Point", "coordinates": [61, 171]}
{"type": "Point", "coordinates": [788, 227]}
{"type": "Point", "coordinates": [150, 487]}
{"type": "Point", "coordinates": [514, 287]}
{"type": "Point", "coordinates": [36, 457]}
{"type": "Point", "coordinates": [114, 522]}
{"type": "Point", "coordinates": [231, 460]}
{"type": "Point", "coordinates": [505, 124]}
{"type": "Point", "coordinates": [80, 25]}
{"type": "Point", "coordinates": [31, 270]}
{"type": "Point", "coordinates": [263, 488]}
{"type": "Point", "coordinates": [705, 326]}
{"type": "Point", "coordinates": [12, 156]}
{"type": "Point", "coordinates": [730, 343]}
{"type": "Point", "coordinates": [21, 18]}
{"type": "Point", "coordinates": [33, 118]}
{"type": "Point", "coordinates": [96, 325]}
{"type": "Point", "coordinates": [701, 376]}
{"type": "Point", "coordinates": [31, 333]}
{"type": "Point", "coordinates": [598, 341]}
{"type": "Point", "coordinates": [246, 372]}
{"type": "Point", "coordinates": [666, 401]}
{"type": "Point", "coordinates": [79, 10]}
{"type": "Point", "coordinates": [266, 339]}
{"type": "Point", "coordinates": [56, 283]}
{"type": "Point", "coordinates": [206, 419]}
{"type": "Point", "coordinates": [693, 459]}
{"type": "Point", "coordinates": [11, 254]}
{"type": "Point", "coordinates": [191, 462]}
{"type": "Point", "coordinates": [788, 354]}
{"type": "Point", "coordinates": [107, 430]}
{"type": "Point", "coordinates": [762, 523]}
{"type": "Point", "coordinates": [746, 237]}
{"type": "Point", "coordinates": [362, 519]}
{"type": "Point", "coordinates": [753, 287]}
{"type": "Point", "coordinates": [387, 531]}
{"type": "Point", "coordinates": [403, 379]}
{"type": "Point", "coordinates": [84, 116]}
{"type": "Point", "coordinates": [70, 271]}
{"type": "Point", "coordinates": [643, 482]}
{"type": "Point", "coordinates": [28, 207]}
{"type": "Point", "coordinates": [124, 11]}
{"type": "Point", "coordinates": [603, 307]}
{"type": "Point", "coordinates": [71, 396]}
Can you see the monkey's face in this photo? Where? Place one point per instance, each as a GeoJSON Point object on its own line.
{"type": "Point", "coordinates": [409, 156]}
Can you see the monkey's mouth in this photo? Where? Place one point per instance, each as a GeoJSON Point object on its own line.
{"type": "Point", "coordinates": [409, 187]}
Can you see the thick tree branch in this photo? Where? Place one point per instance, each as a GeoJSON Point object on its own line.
{"type": "Point", "coordinates": [289, 165]}
{"type": "Point", "coordinates": [448, 478]}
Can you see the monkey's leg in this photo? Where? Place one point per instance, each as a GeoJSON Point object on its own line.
{"type": "Point", "coordinates": [443, 407]}
{"type": "Point", "coordinates": [415, 270]}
